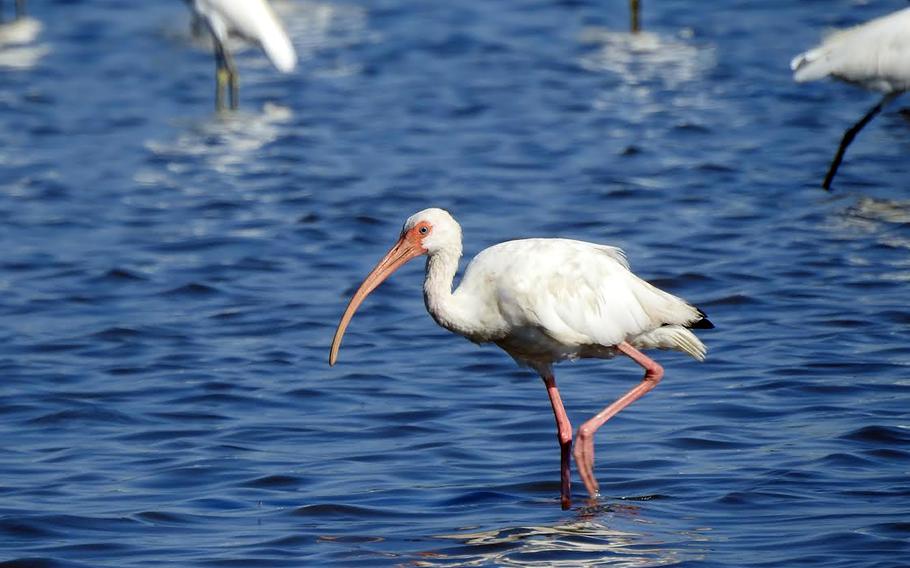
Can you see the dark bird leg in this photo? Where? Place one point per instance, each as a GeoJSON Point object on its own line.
{"type": "Point", "coordinates": [850, 134]}
{"type": "Point", "coordinates": [220, 77]}
{"type": "Point", "coordinates": [224, 75]}
{"type": "Point", "coordinates": [233, 80]}
{"type": "Point", "coordinates": [198, 26]}
{"type": "Point", "coordinates": [634, 10]}
{"type": "Point", "coordinates": [584, 442]}
{"type": "Point", "coordinates": [564, 435]}
{"type": "Point", "coordinates": [20, 9]}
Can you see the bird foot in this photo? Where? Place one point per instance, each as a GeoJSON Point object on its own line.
{"type": "Point", "coordinates": [584, 461]}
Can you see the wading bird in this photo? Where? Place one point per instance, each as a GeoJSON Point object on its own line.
{"type": "Point", "coordinates": [543, 301]}
{"type": "Point", "coordinates": [252, 20]}
{"type": "Point", "coordinates": [874, 55]}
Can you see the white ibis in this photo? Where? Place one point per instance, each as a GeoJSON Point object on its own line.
{"type": "Point", "coordinates": [252, 20]}
{"type": "Point", "coordinates": [874, 55]}
{"type": "Point", "coordinates": [543, 301]}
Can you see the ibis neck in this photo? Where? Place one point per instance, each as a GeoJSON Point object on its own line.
{"type": "Point", "coordinates": [442, 304]}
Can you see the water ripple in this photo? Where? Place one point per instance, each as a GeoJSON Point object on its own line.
{"type": "Point", "coordinates": [172, 278]}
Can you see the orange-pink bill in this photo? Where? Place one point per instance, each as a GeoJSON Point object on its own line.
{"type": "Point", "coordinates": [404, 250]}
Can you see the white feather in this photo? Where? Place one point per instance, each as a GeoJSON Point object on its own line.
{"type": "Point", "coordinates": [875, 54]}
{"type": "Point", "coordinates": [543, 300]}
{"type": "Point", "coordinates": [253, 20]}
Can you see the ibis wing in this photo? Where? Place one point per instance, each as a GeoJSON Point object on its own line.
{"type": "Point", "coordinates": [576, 293]}
{"type": "Point", "coordinates": [253, 20]}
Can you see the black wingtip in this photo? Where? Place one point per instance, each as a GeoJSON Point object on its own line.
{"type": "Point", "coordinates": [703, 323]}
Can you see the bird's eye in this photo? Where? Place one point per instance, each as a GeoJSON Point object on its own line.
{"type": "Point", "coordinates": [423, 230]}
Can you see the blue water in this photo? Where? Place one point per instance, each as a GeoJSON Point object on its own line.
{"type": "Point", "coordinates": [171, 280]}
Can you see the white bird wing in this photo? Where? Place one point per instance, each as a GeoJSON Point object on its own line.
{"type": "Point", "coordinates": [576, 293]}
{"type": "Point", "coordinates": [875, 54]}
{"type": "Point", "coordinates": [254, 20]}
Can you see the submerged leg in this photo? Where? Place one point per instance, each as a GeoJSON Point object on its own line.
{"type": "Point", "coordinates": [634, 10]}
{"type": "Point", "coordinates": [584, 443]}
{"type": "Point", "coordinates": [221, 76]}
{"type": "Point", "coordinates": [233, 79]}
{"type": "Point", "coordinates": [564, 435]}
{"type": "Point", "coordinates": [850, 134]}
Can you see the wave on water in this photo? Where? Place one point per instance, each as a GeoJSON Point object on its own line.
{"type": "Point", "coordinates": [224, 145]}
{"type": "Point", "coordinates": [18, 47]}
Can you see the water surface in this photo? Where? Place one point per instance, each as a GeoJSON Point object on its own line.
{"type": "Point", "coordinates": [171, 280]}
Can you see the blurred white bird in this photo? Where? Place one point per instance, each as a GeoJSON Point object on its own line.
{"type": "Point", "coordinates": [252, 20]}
{"type": "Point", "coordinates": [543, 301]}
{"type": "Point", "coordinates": [874, 55]}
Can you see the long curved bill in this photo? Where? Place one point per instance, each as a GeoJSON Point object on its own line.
{"type": "Point", "coordinates": [402, 252]}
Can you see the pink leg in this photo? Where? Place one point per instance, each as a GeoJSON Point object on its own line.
{"type": "Point", "coordinates": [564, 435]}
{"type": "Point", "coordinates": [584, 444]}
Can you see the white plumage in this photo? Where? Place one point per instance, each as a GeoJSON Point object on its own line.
{"type": "Point", "coordinates": [554, 299]}
{"type": "Point", "coordinates": [874, 55]}
{"type": "Point", "coordinates": [252, 20]}
{"type": "Point", "coordinates": [543, 301]}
